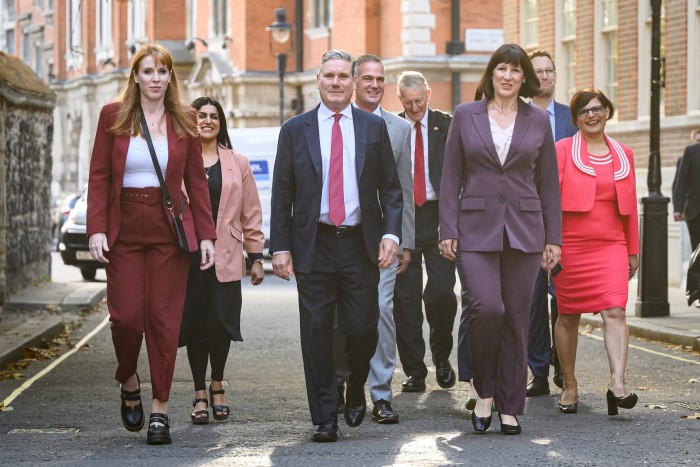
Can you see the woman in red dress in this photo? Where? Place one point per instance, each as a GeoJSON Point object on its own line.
{"type": "Point", "coordinates": [600, 243]}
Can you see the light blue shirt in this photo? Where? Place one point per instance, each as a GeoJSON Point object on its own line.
{"type": "Point", "coordinates": [550, 111]}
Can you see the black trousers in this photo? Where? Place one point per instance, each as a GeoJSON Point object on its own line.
{"type": "Point", "coordinates": [438, 296]}
{"type": "Point", "coordinates": [341, 273]}
{"type": "Point", "coordinates": [540, 343]}
{"type": "Point", "coordinates": [694, 231]}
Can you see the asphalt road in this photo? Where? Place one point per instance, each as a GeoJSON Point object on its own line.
{"type": "Point", "coordinates": [70, 415]}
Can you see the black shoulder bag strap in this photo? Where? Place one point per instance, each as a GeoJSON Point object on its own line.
{"type": "Point", "coordinates": [177, 218]}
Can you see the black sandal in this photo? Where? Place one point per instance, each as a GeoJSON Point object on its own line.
{"type": "Point", "coordinates": [158, 429]}
{"type": "Point", "coordinates": [220, 412]}
{"type": "Point", "coordinates": [132, 417]}
{"type": "Point", "coordinates": [196, 416]}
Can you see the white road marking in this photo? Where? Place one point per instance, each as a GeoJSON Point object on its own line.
{"type": "Point", "coordinates": [27, 384]}
{"type": "Point", "coordinates": [660, 354]}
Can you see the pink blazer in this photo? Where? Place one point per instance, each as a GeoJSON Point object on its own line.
{"type": "Point", "coordinates": [107, 166]}
{"type": "Point", "coordinates": [577, 182]}
{"type": "Point", "coordinates": [239, 218]}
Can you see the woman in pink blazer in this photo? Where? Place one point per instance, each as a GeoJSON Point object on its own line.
{"type": "Point", "coordinates": [600, 231]}
{"type": "Point", "coordinates": [212, 312]}
{"type": "Point", "coordinates": [129, 228]}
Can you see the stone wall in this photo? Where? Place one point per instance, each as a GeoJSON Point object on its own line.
{"type": "Point", "coordinates": [26, 132]}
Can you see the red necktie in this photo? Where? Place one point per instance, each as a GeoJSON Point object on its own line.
{"type": "Point", "coordinates": [419, 169]}
{"type": "Point", "coordinates": [336, 202]}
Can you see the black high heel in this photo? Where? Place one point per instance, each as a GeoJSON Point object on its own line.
{"type": "Point", "coordinates": [625, 402]}
{"type": "Point", "coordinates": [196, 417]}
{"type": "Point", "coordinates": [132, 417]}
{"type": "Point", "coordinates": [158, 429]}
{"type": "Point", "coordinates": [509, 429]}
{"type": "Point", "coordinates": [223, 409]}
{"type": "Point", "coordinates": [567, 408]}
{"type": "Point", "coordinates": [480, 424]}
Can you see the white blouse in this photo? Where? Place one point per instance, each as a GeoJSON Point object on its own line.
{"type": "Point", "coordinates": [501, 139]}
{"type": "Point", "coordinates": [139, 171]}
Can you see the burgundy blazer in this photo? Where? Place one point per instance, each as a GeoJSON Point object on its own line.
{"type": "Point", "coordinates": [107, 174]}
{"type": "Point", "coordinates": [479, 197]}
{"type": "Point", "coordinates": [239, 218]}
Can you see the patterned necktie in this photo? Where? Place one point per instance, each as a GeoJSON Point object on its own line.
{"type": "Point", "coordinates": [336, 202]}
{"type": "Point", "coordinates": [419, 169]}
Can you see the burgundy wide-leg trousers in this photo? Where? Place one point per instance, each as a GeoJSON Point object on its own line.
{"type": "Point", "coordinates": [146, 282]}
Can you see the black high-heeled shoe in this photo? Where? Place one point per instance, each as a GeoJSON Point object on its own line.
{"type": "Point", "coordinates": [158, 429]}
{"type": "Point", "coordinates": [567, 408]}
{"type": "Point", "coordinates": [625, 402]}
{"type": "Point", "coordinates": [480, 424]}
{"type": "Point", "coordinates": [132, 417]}
{"type": "Point", "coordinates": [223, 410]}
{"type": "Point", "coordinates": [196, 416]}
{"type": "Point", "coordinates": [509, 429]}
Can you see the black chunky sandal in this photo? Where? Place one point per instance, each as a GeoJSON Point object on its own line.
{"type": "Point", "coordinates": [196, 416]}
{"type": "Point", "coordinates": [223, 410]}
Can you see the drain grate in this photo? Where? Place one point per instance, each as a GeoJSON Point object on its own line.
{"type": "Point", "coordinates": [694, 406]}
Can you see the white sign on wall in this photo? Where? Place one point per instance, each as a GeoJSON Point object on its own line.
{"type": "Point", "coordinates": [483, 40]}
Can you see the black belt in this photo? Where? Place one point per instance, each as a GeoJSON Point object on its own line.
{"type": "Point", "coordinates": [342, 231]}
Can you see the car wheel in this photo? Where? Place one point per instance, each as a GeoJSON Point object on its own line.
{"type": "Point", "coordinates": [88, 273]}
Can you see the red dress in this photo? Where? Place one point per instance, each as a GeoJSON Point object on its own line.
{"type": "Point", "coordinates": [594, 250]}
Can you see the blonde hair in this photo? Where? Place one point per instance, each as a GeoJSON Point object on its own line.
{"type": "Point", "coordinates": [128, 120]}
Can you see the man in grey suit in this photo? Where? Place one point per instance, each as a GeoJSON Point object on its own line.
{"type": "Point", "coordinates": [368, 76]}
{"type": "Point", "coordinates": [540, 349]}
{"type": "Point", "coordinates": [335, 216]}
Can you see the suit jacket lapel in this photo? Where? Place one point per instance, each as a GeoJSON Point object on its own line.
{"type": "Point", "coordinates": [520, 129]}
{"type": "Point", "coordinates": [360, 141]}
{"type": "Point", "coordinates": [121, 147]}
{"type": "Point", "coordinates": [313, 143]}
{"type": "Point", "coordinates": [483, 127]}
{"type": "Point", "coordinates": [228, 163]}
{"type": "Point", "coordinates": [560, 122]}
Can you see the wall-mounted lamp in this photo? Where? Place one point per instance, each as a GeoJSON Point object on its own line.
{"type": "Point", "coordinates": [227, 40]}
{"type": "Point", "coordinates": [189, 45]}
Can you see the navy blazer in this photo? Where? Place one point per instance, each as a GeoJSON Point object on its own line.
{"type": "Point", "coordinates": [297, 184]}
{"type": "Point", "coordinates": [686, 195]}
{"type": "Point", "coordinates": [481, 198]}
{"type": "Point", "coordinates": [563, 126]}
{"type": "Point", "coordinates": [438, 126]}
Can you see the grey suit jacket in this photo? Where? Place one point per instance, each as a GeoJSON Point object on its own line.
{"type": "Point", "coordinates": [480, 198]}
{"type": "Point", "coordinates": [400, 136]}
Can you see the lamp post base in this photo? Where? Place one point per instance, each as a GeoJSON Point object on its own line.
{"type": "Point", "coordinates": [652, 291]}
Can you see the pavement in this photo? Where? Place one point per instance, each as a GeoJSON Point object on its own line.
{"type": "Point", "coordinates": [41, 311]}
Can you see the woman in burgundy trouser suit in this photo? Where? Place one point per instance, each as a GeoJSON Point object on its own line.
{"type": "Point", "coordinates": [129, 227]}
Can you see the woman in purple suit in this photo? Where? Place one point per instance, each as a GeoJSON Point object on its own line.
{"type": "Point", "coordinates": [500, 211]}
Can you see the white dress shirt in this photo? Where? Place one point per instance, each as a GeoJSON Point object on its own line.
{"type": "Point", "coordinates": [430, 194]}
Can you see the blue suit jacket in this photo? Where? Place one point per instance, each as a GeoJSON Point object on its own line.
{"type": "Point", "coordinates": [297, 184]}
{"type": "Point", "coordinates": [563, 127]}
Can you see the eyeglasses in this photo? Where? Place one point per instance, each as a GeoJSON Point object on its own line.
{"type": "Point", "coordinates": [547, 72]}
{"type": "Point", "coordinates": [597, 110]}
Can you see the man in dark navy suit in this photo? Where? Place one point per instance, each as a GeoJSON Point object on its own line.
{"type": "Point", "coordinates": [541, 350]}
{"type": "Point", "coordinates": [335, 215]}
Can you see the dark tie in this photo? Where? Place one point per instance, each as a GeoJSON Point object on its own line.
{"type": "Point", "coordinates": [336, 202]}
{"type": "Point", "coordinates": [419, 169]}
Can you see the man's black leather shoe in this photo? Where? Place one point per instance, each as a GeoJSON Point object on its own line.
{"type": "Point", "coordinates": [341, 399]}
{"type": "Point", "coordinates": [327, 432]}
{"type": "Point", "coordinates": [355, 406]}
{"type": "Point", "coordinates": [445, 375]}
{"type": "Point", "coordinates": [413, 384]}
{"type": "Point", "coordinates": [383, 413]}
{"type": "Point", "coordinates": [538, 386]}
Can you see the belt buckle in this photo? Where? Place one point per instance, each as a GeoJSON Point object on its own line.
{"type": "Point", "coordinates": [344, 231]}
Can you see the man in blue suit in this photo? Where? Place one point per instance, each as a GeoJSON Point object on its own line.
{"type": "Point", "coordinates": [335, 216]}
{"type": "Point", "coordinates": [540, 346]}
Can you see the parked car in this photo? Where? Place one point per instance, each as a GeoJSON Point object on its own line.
{"type": "Point", "coordinates": [60, 211]}
{"type": "Point", "coordinates": [73, 243]}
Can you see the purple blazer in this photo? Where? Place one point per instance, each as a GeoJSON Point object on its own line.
{"type": "Point", "coordinates": [479, 197]}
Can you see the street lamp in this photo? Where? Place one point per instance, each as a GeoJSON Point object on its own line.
{"type": "Point", "coordinates": [652, 292]}
{"type": "Point", "coordinates": [280, 32]}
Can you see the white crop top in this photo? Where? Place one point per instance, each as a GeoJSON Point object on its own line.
{"type": "Point", "coordinates": [139, 171]}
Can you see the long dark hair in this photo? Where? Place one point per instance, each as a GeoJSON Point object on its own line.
{"type": "Point", "coordinates": [514, 55]}
{"type": "Point", "coordinates": [222, 138]}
